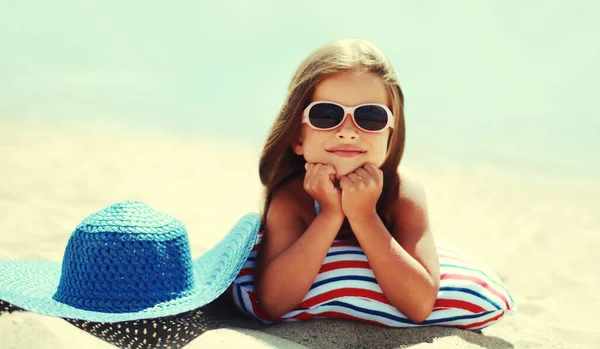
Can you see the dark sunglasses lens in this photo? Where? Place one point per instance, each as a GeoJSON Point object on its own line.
{"type": "Point", "coordinates": [371, 117]}
{"type": "Point", "coordinates": [326, 115]}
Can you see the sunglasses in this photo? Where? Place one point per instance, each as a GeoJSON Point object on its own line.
{"type": "Point", "coordinates": [370, 117]}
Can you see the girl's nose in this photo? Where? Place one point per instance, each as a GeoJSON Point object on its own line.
{"type": "Point", "coordinates": [347, 130]}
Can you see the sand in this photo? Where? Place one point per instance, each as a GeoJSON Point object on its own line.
{"type": "Point", "coordinates": [540, 235]}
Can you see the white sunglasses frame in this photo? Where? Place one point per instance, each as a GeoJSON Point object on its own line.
{"type": "Point", "coordinates": [348, 110]}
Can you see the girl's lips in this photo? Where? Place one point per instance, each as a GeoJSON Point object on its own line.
{"type": "Point", "coordinates": [346, 153]}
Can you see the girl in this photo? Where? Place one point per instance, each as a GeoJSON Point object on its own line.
{"type": "Point", "coordinates": [330, 171]}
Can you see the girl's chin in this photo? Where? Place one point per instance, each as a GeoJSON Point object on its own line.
{"type": "Point", "coordinates": [339, 173]}
{"type": "Point", "coordinates": [343, 169]}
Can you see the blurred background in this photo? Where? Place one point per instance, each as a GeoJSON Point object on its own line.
{"type": "Point", "coordinates": [511, 84]}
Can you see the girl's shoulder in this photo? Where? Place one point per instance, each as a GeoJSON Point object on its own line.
{"type": "Point", "coordinates": [292, 200]}
{"type": "Point", "coordinates": [411, 205]}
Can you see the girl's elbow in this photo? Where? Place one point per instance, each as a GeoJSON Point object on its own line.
{"type": "Point", "coordinates": [269, 305]}
{"type": "Point", "coordinates": [270, 311]}
{"type": "Point", "coordinates": [428, 303]}
{"type": "Point", "coordinates": [420, 314]}
{"type": "Point", "coordinates": [424, 307]}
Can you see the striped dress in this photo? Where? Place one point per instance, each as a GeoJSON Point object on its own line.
{"type": "Point", "coordinates": [470, 296]}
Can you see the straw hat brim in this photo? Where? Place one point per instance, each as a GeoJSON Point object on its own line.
{"type": "Point", "coordinates": [31, 285]}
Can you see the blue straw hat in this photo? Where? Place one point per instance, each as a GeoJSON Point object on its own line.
{"type": "Point", "coordinates": [128, 262]}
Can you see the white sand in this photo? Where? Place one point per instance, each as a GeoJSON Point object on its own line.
{"type": "Point", "coordinates": [541, 238]}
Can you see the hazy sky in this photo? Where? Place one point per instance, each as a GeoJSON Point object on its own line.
{"type": "Point", "coordinates": [516, 74]}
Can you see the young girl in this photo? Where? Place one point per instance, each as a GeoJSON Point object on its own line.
{"type": "Point", "coordinates": [330, 171]}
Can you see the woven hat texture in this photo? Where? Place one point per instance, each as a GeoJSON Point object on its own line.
{"type": "Point", "coordinates": [126, 262]}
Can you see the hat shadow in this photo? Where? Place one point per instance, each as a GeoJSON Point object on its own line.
{"type": "Point", "coordinates": [175, 331]}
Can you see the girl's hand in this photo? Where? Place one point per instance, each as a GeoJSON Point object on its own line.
{"type": "Point", "coordinates": [318, 183]}
{"type": "Point", "coordinates": [361, 190]}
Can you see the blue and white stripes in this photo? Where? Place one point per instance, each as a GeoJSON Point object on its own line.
{"type": "Point", "coordinates": [470, 296]}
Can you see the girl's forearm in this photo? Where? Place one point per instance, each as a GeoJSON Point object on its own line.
{"type": "Point", "coordinates": [287, 279]}
{"type": "Point", "coordinates": [404, 281]}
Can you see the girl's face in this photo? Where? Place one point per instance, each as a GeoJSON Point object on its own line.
{"type": "Point", "coordinates": [318, 146]}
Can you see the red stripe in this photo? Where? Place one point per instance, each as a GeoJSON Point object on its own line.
{"type": "Point", "coordinates": [245, 271]}
{"type": "Point", "coordinates": [255, 248]}
{"type": "Point", "coordinates": [343, 292]}
{"type": "Point", "coordinates": [370, 294]}
{"type": "Point", "coordinates": [335, 314]}
{"type": "Point", "coordinates": [477, 281]}
{"type": "Point", "coordinates": [441, 304]}
{"type": "Point", "coordinates": [481, 323]}
{"type": "Point", "coordinates": [344, 243]}
{"type": "Point", "coordinates": [344, 264]}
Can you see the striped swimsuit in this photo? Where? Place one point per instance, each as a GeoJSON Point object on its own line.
{"type": "Point", "coordinates": [470, 296]}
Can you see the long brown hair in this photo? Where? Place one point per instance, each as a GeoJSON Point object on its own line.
{"type": "Point", "coordinates": [278, 162]}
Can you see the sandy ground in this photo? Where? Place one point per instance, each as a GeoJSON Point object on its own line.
{"type": "Point", "coordinates": [542, 237]}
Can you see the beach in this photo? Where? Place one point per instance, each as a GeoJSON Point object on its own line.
{"type": "Point", "coordinates": [540, 235]}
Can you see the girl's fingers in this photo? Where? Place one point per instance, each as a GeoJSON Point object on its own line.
{"type": "Point", "coordinates": [322, 170]}
{"type": "Point", "coordinates": [361, 172]}
{"type": "Point", "coordinates": [375, 172]}
{"type": "Point", "coordinates": [322, 167]}
{"type": "Point", "coordinates": [354, 178]}
{"type": "Point", "coordinates": [329, 170]}
{"type": "Point", "coordinates": [346, 183]}
{"type": "Point", "coordinates": [308, 177]}
{"type": "Point", "coordinates": [327, 174]}
{"type": "Point", "coordinates": [315, 172]}
{"type": "Point", "coordinates": [332, 177]}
